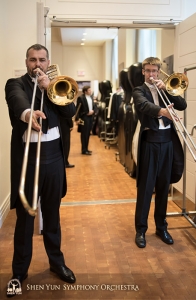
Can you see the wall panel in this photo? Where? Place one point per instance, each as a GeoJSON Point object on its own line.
{"type": "Point", "coordinates": [186, 38]}
{"type": "Point", "coordinates": [123, 11]}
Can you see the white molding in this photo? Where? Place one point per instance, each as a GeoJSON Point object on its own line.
{"type": "Point", "coordinates": [161, 2]}
{"type": "Point", "coordinates": [4, 210]}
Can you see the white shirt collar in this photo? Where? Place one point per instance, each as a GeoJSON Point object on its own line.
{"type": "Point", "coordinates": [151, 86]}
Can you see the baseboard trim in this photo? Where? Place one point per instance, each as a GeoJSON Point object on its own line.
{"type": "Point", "coordinates": [4, 210]}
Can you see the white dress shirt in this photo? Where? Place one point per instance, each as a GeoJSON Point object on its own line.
{"type": "Point", "coordinates": [90, 102]}
{"type": "Point", "coordinates": [156, 102]}
{"type": "Point", "coordinates": [52, 133]}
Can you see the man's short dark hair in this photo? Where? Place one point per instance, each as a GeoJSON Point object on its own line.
{"type": "Point", "coordinates": [37, 47]}
{"type": "Point", "coordinates": [85, 88]}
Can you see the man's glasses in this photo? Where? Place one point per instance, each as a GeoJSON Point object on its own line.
{"type": "Point", "coordinates": [150, 71]}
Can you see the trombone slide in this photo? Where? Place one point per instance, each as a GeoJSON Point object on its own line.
{"type": "Point", "coordinates": [176, 120]}
{"type": "Point", "coordinates": [31, 210]}
{"type": "Point", "coordinates": [62, 90]}
{"type": "Point", "coordinates": [80, 121]}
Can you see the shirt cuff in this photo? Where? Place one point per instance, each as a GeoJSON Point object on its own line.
{"type": "Point", "coordinates": [22, 117]}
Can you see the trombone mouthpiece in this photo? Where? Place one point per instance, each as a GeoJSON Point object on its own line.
{"type": "Point", "coordinates": [151, 78]}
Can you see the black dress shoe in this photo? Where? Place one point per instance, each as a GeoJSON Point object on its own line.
{"type": "Point", "coordinates": [86, 153]}
{"type": "Point", "coordinates": [165, 236]}
{"type": "Point", "coordinates": [64, 273]}
{"type": "Point", "coordinates": [89, 151]}
{"type": "Point", "coordinates": [140, 240]}
{"type": "Point", "coordinates": [14, 285]}
{"type": "Point", "coordinates": [69, 166]}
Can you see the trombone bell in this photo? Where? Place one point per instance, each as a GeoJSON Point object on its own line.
{"type": "Point", "coordinates": [176, 84]}
{"type": "Point", "coordinates": [176, 80]}
{"type": "Point", "coordinates": [62, 89]}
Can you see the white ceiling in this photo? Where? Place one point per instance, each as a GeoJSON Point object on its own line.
{"type": "Point", "coordinates": [93, 36]}
{"type": "Point", "coordinates": [70, 33]}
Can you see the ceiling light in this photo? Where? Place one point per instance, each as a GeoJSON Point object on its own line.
{"type": "Point", "coordinates": [84, 33]}
{"type": "Point", "coordinates": [82, 44]}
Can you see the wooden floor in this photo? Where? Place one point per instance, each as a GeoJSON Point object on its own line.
{"type": "Point", "coordinates": [97, 220]}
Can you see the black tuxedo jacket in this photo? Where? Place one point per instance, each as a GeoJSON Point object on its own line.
{"type": "Point", "coordinates": [84, 110]}
{"type": "Point", "coordinates": [147, 113]}
{"type": "Point", "coordinates": [19, 93]}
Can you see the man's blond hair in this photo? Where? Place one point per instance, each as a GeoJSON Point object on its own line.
{"type": "Point", "coordinates": [152, 61]}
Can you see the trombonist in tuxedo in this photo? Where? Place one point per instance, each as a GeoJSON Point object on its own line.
{"type": "Point", "coordinates": [52, 178]}
{"type": "Point", "coordinates": [85, 108]}
{"type": "Point", "coordinates": [160, 155]}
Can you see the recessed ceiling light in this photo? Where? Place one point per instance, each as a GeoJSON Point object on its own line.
{"type": "Point", "coordinates": [84, 33]}
{"type": "Point", "coordinates": [82, 44]}
{"type": "Point", "coordinates": [83, 39]}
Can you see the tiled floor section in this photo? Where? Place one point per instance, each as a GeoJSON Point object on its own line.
{"type": "Point", "coordinates": [97, 177]}
{"type": "Point", "coordinates": [98, 240]}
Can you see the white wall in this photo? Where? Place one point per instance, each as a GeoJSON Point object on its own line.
{"type": "Point", "coordinates": [118, 11]}
{"type": "Point", "coordinates": [130, 47]}
{"type": "Point", "coordinates": [167, 42]}
{"type": "Point", "coordinates": [127, 47]}
{"type": "Point", "coordinates": [5, 127]}
{"type": "Point", "coordinates": [18, 30]}
{"type": "Point", "coordinates": [185, 57]}
{"type": "Point", "coordinates": [188, 8]}
{"type": "Point", "coordinates": [57, 55]}
{"type": "Point", "coordinates": [107, 61]}
{"type": "Point", "coordinates": [73, 59]}
{"type": "Point", "coordinates": [122, 48]}
{"type": "Point", "coordinates": [128, 44]}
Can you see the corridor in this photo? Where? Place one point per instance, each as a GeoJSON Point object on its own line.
{"type": "Point", "coordinates": [97, 222]}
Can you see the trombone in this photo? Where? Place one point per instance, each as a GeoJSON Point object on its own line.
{"type": "Point", "coordinates": [31, 210]}
{"type": "Point", "coordinates": [176, 84]}
{"type": "Point", "coordinates": [62, 90]}
{"type": "Point", "coordinates": [80, 121]}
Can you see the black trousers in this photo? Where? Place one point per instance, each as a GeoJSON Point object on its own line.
{"type": "Point", "coordinates": [51, 180]}
{"type": "Point", "coordinates": [155, 171]}
{"type": "Point", "coordinates": [85, 132]}
{"type": "Point", "coordinates": [66, 136]}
